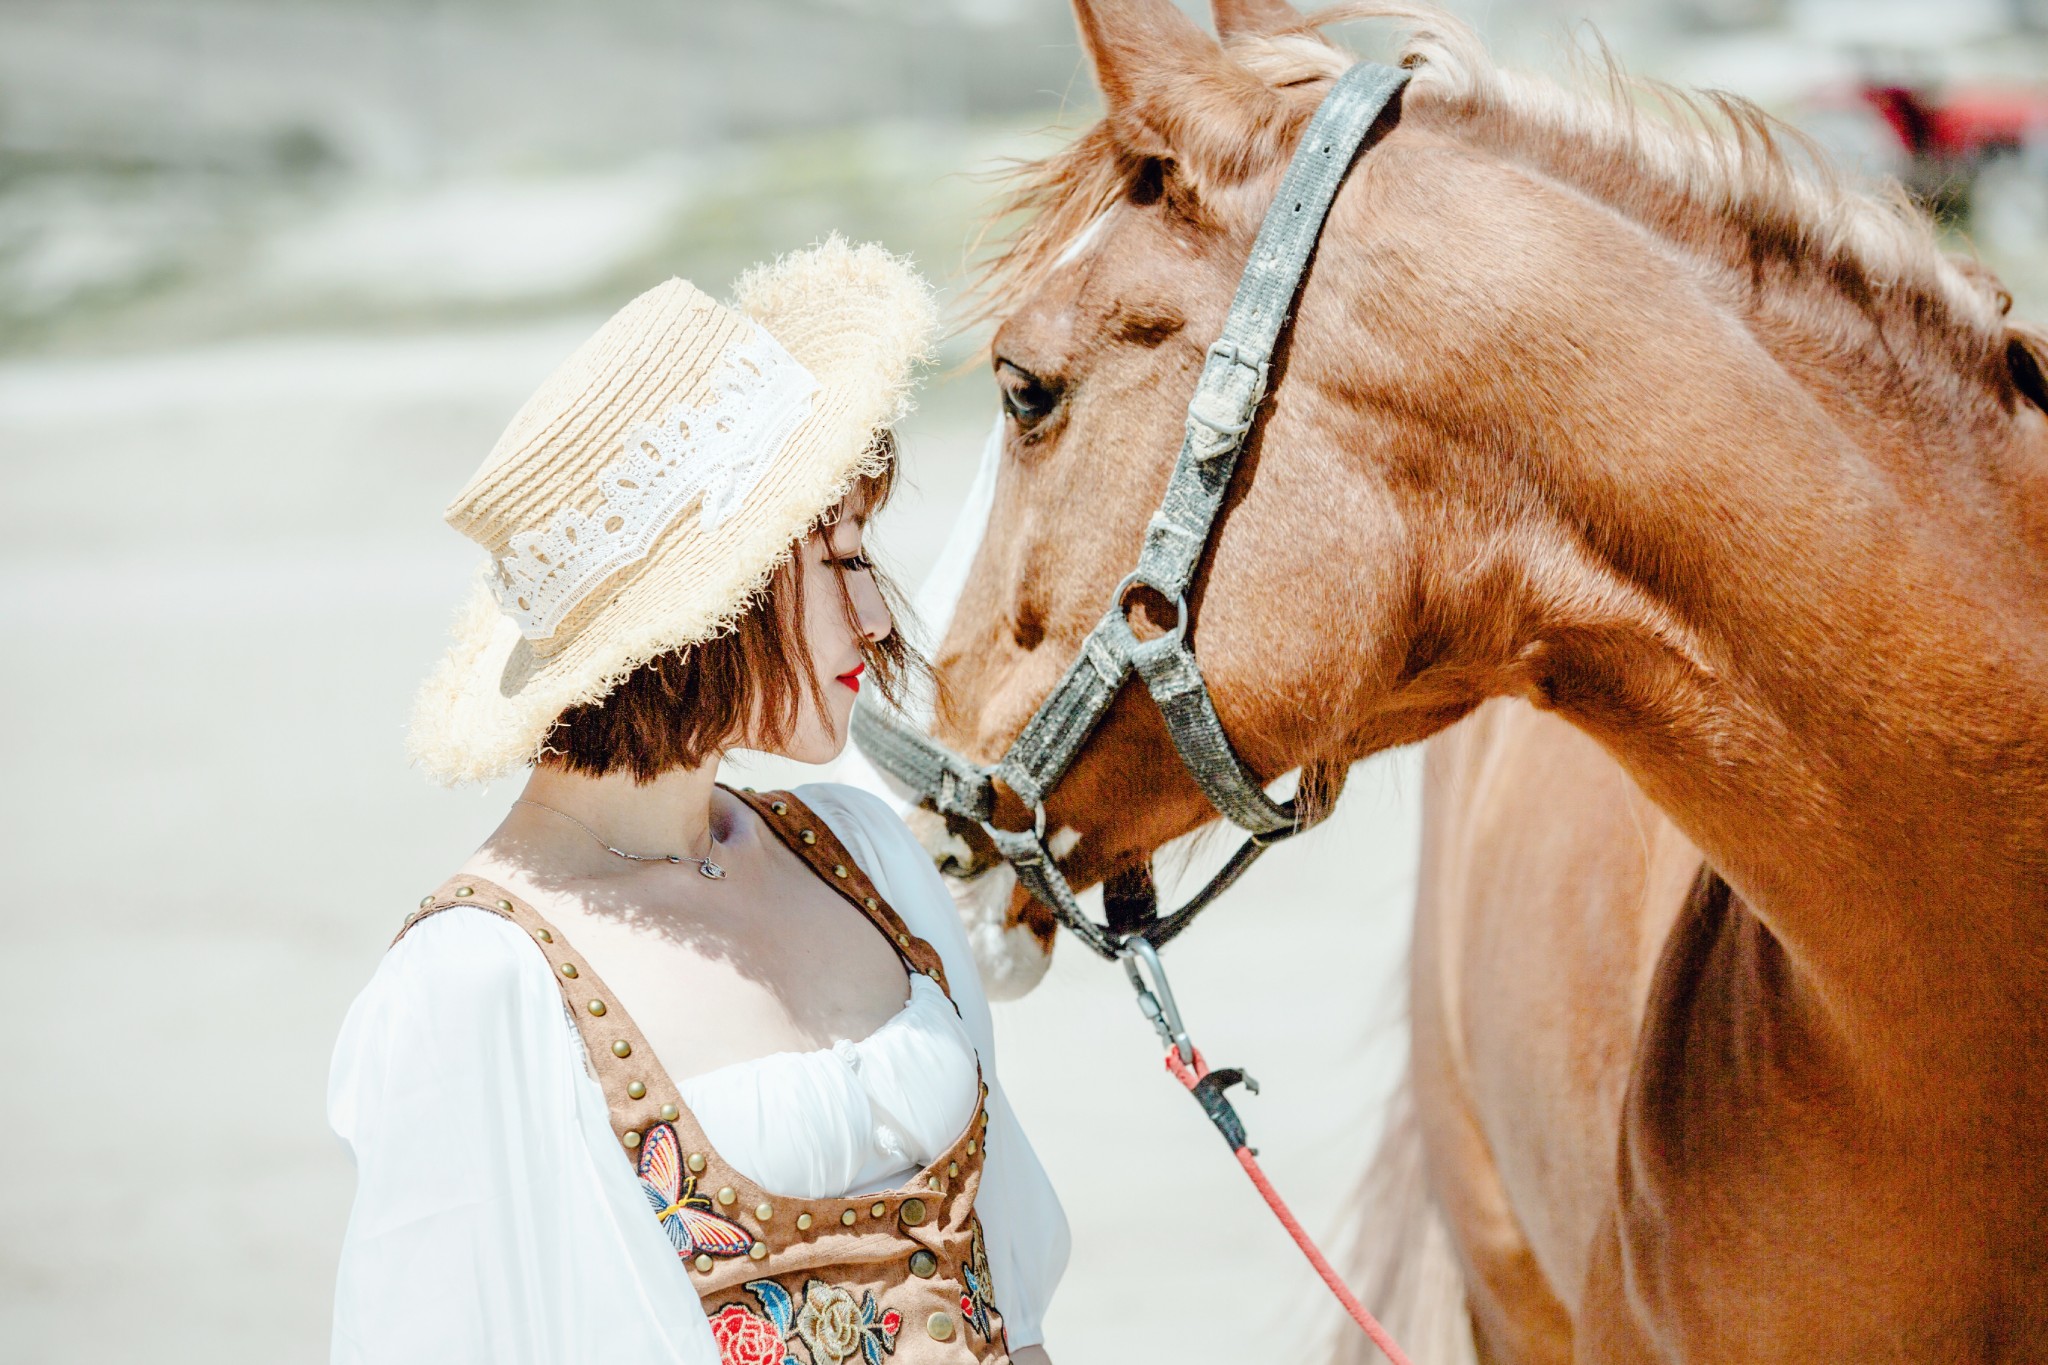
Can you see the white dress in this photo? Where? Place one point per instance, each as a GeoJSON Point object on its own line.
{"type": "Point", "coordinates": [495, 1220]}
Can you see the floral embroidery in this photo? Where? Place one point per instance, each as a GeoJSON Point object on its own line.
{"type": "Point", "coordinates": [831, 1325]}
{"type": "Point", "coordinates": [744, 1337]}
{"type": "Point", "coordinates": [688, 1218]}
{"type": "Point", "coordinates": [980, 1296]}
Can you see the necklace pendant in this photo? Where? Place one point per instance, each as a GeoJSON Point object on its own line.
{"type": "Point", "coordinates": [673, 858]}
{"type": "Point", "coordinates": [712, 870]}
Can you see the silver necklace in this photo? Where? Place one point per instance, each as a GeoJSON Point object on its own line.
{"type": "Point", "coordinates": [705, 867]}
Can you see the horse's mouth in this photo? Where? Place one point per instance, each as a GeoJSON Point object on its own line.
{"type": "Point", "coordinates": [960, 849]}
{"type": "Point", "coordinates": [1011, 950]}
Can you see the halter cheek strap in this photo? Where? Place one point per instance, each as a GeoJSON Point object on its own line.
{"type": "Point", "coordinates": [1219, 417]}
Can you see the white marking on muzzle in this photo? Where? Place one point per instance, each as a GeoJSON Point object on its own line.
{"type": "Point", "coordinates": [1009, 956]}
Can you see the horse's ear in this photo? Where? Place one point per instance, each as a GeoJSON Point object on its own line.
{"type": "Point", "coordinates": [1255, 16]}
{"type": "Point", "coordinates": [1170, 91]}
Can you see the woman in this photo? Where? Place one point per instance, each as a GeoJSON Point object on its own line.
{"type": "Point", "coordinates": [668, 1072]}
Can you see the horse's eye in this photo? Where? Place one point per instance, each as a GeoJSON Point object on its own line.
{"type": "Point", "coordinates": [1026, 397]}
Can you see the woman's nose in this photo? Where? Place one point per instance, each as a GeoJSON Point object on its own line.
{"type": "Point", "coordinates": [875, 621]}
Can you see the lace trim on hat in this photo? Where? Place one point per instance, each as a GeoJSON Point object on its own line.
{"type": "Point", "coordinates": [718, 451]}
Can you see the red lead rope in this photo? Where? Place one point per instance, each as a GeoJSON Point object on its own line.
{"type": "Point", "coordinates": [1191, 1077]}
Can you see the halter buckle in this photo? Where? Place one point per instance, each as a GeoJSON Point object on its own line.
{"type": "Point", "coordinates": [1230, 352]}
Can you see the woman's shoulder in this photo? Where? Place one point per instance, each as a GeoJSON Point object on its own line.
{"type": "Point", "coordinates": [464, 956]}
{"type": "Point", "coordinates": [448, 1002]}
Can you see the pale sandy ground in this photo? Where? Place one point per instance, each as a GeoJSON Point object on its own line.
{"type": "Point", "coordinates": [223, 575]}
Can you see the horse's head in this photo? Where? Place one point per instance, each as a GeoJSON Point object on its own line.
{"type": "Point", "coordinates": [1304, 613]}
{"type": "Point", "coordinates": [1511, 436]}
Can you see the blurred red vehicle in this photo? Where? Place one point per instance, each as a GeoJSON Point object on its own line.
{"type": "Point", "coordinates": [1975, 152]}
{"type": "Point", "coordinates": [1952, 134]}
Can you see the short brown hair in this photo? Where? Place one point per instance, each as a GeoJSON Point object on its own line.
{"type": "Point", "coordinates": [682, 707]}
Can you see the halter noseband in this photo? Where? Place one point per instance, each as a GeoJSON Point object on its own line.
{"type": "Point", "coordinates": [1220, 416]}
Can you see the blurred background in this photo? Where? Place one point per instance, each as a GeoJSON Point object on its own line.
{"type": "Point", "coordinates": [273, 276]}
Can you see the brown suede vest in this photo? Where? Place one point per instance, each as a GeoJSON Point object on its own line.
{"type": "Point", "coordinates": [901, 1275]}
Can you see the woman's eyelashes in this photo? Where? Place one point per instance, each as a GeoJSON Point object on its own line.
{"type": "Point", "coordinates": [854, 563]}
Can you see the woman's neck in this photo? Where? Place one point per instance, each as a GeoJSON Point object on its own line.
{"type": "Point", "coordinates": [675, 814]}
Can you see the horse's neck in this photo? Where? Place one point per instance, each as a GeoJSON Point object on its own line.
{"type": "Point", "coordinates": [1822, 649]}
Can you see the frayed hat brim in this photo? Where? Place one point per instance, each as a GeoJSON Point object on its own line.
{"type": "Point", "coordinates": [860, 321]}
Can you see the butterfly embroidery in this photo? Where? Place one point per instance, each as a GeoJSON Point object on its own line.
{"type": "Point", "coordinates": [980, 1295]}
{"type": "Point", "coordinates": [687, 1217]}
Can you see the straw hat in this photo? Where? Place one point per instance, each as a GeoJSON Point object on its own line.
{"type": "Point", "coordinates": [643, 497]}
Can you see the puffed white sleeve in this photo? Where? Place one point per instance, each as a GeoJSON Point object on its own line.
{"type": "Point", "coordinates": [495, 1219]}
{"type": "Point", "coordinates": [1021, 1217]}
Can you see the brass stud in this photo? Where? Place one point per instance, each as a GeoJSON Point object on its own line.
{"type": "Point", "coordinates": [912, 1212]}
{"type": "Point", "coordinates": [779, 807]}
{"type": "Point", "coordinates": [632, 1139]}
{"type": "Point", "coordinates": [668, 1112]}
{"type": "Point", "coordinates": [727, 1194]}
{"type": "Point", "coordinates": [970, 1146]}
{"type": "Point", "coordinates": [939, 1327]}
{"type": "Point", "coordinates": [465, 891]}
{"type": "Point", "coordinates": [505, 905]}
{"type": "Point", "coordinates": [903, 939]}
{"type": "Point", "coordinates": [764, 1212]}
{"type": "Point", "coordinates": [984, 1118]}
{"type": "Point", "coordinates": [636, 1091]}
{"type": "Point", "coordinates": [759, 1251]}
{"type": "Point", "coordinates": [868, 901]}
{"type": "Point", "coordinates": [803, 1222]}
{"type": "Point", "coordinates": [848, 1217]}
{"type": "Point", "coordinates": [544, 936]}
{"type": "Point", "coordinates": [952, 1168]}
{"type": "Point", "coordinates": [426, 901]}
{"type": "Point", "coordinates": [695, 1163]}
{"type": "Point", "coordinates": [622, 1048]}
{"type": "Point", "coordinates": [703, 1264]}
{"type": "Point", "coordinates": [923, 1264]}
{"type": "Point", "coordinates": [596, 1007]}
{"type": "Point", "coordinates": [569, 970]}
{"type": "Point", "coordinates": [839, 869]}
{"type": "Point", "coordinates": [809, 836]}
{"type": "Point", "coordinates": [878, 1210]}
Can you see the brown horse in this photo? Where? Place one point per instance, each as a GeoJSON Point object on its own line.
{"type": "Point", "coordinates": [1713, 501]}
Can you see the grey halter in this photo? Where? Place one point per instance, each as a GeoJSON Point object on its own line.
{"type": "Point", "coordinates": [1220, 416]}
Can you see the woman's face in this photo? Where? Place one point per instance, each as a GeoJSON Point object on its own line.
{"type": "Point", "coordinates": [835, 647]}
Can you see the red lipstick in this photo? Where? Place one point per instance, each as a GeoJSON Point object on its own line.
{"type": "Point", "coordinates": [851, 677]}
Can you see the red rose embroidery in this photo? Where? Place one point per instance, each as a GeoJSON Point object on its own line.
{"type": "Point", "coordinates": [892, 1321]}
{"type": "Point", "coordinates": [744, 1337]}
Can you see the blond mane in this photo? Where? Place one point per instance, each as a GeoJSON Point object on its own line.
{"type": "Point", "coordinates": [1714, 173]}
